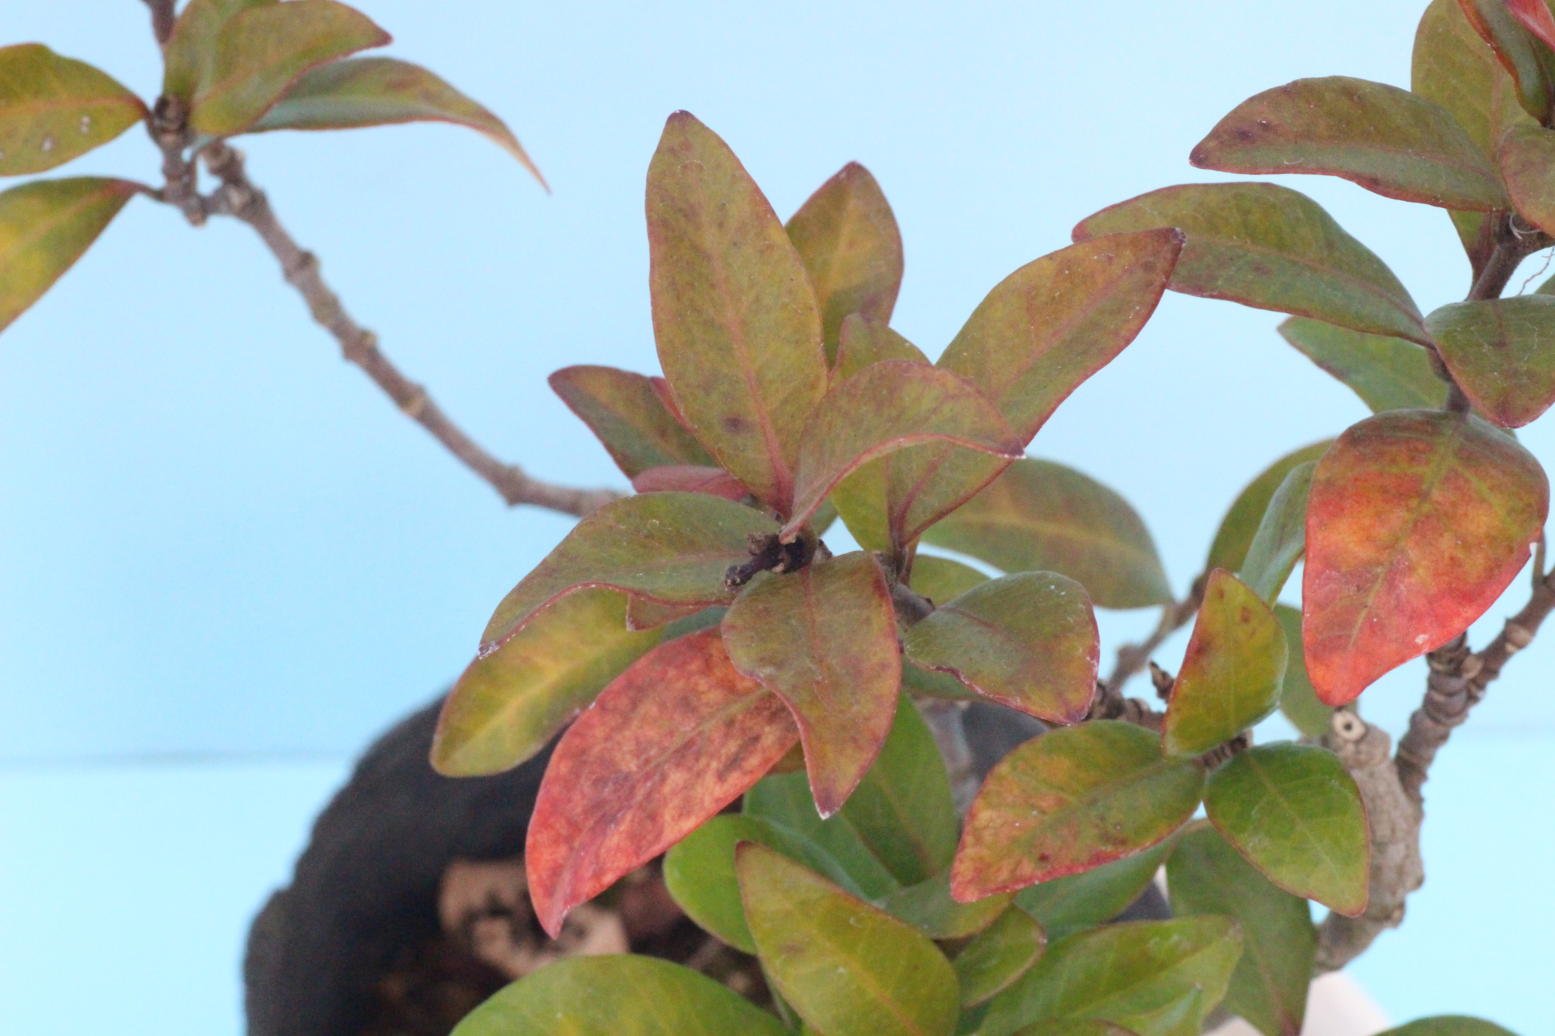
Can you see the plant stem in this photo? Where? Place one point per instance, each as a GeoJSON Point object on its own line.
{"type": "Point", "coordinates": [161, 18]}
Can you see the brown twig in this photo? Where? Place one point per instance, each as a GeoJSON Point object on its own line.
{"type": "Point", "coordinates": [161, 18]}
{"type": "Point", "coordinates": [1133, 658]}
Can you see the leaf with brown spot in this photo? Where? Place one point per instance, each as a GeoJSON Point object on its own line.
{"type": "Point", "coordinates": [45, 226]}
{"type": "Point", "coordinates": [675, 738]}
{"type": "Point", "coordinates": [1388, 373]}
{"type": "Point", "coordinates": [824, 640]}
{"type": "Point", "coordinates": [737, 324]}
{"type": "Point", "coordinates": [1501, 352]}
{"type": "Point", "coordinates": [1070, 800]}
{"type": "Point", "coordinates": [630, 418]}
{"type": "Point", "coordinates": [1272, 248]}
{"type": "Point", "coordinates": [1386, 139]}
{"type": "Point", "coordinates": [689, 478]}
{"type": "Point", "coordinates": [54, 108]}
{"type": "Point", "coordinates": [847, 238]}
{"type": "Point", "coordinates": [1416, 522]}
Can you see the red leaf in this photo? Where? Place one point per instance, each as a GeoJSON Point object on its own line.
{"type": "Point", "coordinates": [690, 478]}
{"type": "Point", "coordinates": [675, 738]}
{"type": "Point", "coordinates": [1535, 17]}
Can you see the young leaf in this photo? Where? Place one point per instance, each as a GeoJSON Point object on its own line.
{"type": "Point", "coordinates": [824, 640]}
{"type": "Point", "coordinates": [508, 704]}
{"type": "Point", "coordinates": [1387, 373]}
{"type": "Point", "coordinates": [1028, 641]}
{"type": "Point", "coordinates": [1449, 1025]}
{"type": "Point", "coordinates": [669, 743]}
{"type": "Point", "coordinates": [846, 967]}
{"type": "Point", "coordinates": [1281, 536]}
{"type": "Point", "coordinates": [738, 328]}
{"type": "Point", "coordinates": [1294, 813]}
{"type": "Point", "coordinates": [44, 227]}
{"type": "Point", "coordinates": [55, 108]}
{"type": "Point", "coordinates": [883, 408]}
{"type": "Point", "coordinates": [1385, 139]}
{"type": "Point", "coordinates": [1240, 525]}
{"type": "Point", "coordinates": [1501, 352]}
{"type": "Point", "coordinates": [687, 478]}
{"type": "Point", "coordinates": [997, 956]}
{"type": "Point", "coordinates": [927, 906]}
{"type": "Point", "coordinates": [629, 418]}
{"type": "Point", "coordinates": [1230, 676]}
{"type": "Point", "coordinates": [190, 51]}
{"type": "Point", "coordinates": [1080, 901]}
{"type": "Point", "coordinates": [616, 995]}
{"type": "Point", "coordinates": [1068, 801]}
{"type": "Point", "coordinates": [1416, 522]}
{"type": "Point", "coordinates": [672, 548]}
{"type": "Point", "coordinates": [1039, 516]}
{"type": "Point", "coordinates": [1298, 701]}
{"type": "Point", "coordinates": [1269, 986]}
{"type": "Point", "coordinates": [1123, 973]}
{"type": "Point", "coordinates": [380, 92]}
{"type": "Point", "coordinates": [261, 50]}
{"type": "Point", "coordinates": [847, 237]}
{"type": "Point", "coordinates": [1272, 248]}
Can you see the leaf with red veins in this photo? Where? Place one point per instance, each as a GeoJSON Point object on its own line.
{"type": "Point", "coordinates": [690, 478]}
{"type": "Point", "coordinates": [1416, 522]}
{"type": "Point", "coordinates": [670, 742]}
{"type": "Point", "coordinates": [824, 639]}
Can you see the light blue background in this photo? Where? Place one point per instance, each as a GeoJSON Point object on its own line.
{"type": "Point", "coordinates": [226, 561]}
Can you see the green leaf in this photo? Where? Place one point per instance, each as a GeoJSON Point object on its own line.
{"type": "Point", "coordinates": [629, 417]}
{"type": "Point", "coordinates": [261, 50]}
{"type": "Point", "coordinates": [1281, 536]}
{"type": "Point", "coordinates": [675, 738]}
{"type": "Point", "coordinates": [1295, 813]}
{"type": "Point", "coordinates": [847, 237]}
{"type": "Point", "coordinates": [1079, 901]}
{"type": "Point", "coordinates": [55, 108]}
{"type": "Point", "coordinates": [380, 92]}
{"type": "Point", "coordinates": [784, 801]}
{"type": "Point", "coordinates": [1074, 1027]}
{"type": "Point", "coordinates": [998, 956]}
{"type": "Point", "coordinates": [1269, 986]}
{"type": "Point", "coordinates": [1230, 676]}
{"type": "Point", "coordinates": [673, 548]}
{"type": "Point", "coordinates": [1527, 155]}
{"type": "Point", "coordinates": [1040, 515]}
{"type": "Point", "coordinates": [1449, 1025]}
{"type": "Point", "coordinates": [1298, 701]}
{"type": "Point", "coordinates": [1070, 800]}
{"type": "Point", "coordinates": [617, 995]}
{"type": "Point", "coordinates": [44, 227]}
{"type": "Point", "coordinates": [847, 968]}
{"type": "Point", "coordinates": [738, 326]}
{"type": "Point", "coordinates": [1240, 525]}
{"type": "Point", "coordinates": [190, 51]}
{"type": "Point", "coordinates": [508, 704]}
{"type": "Point", "coordinates": [942, 579]}
{"type": "Point", "coordinates": [1125, 973]}
{"type": "Point", "coordinates": [1272, 248]}
{"type": "Point", "coordinates": [1417, 520]}
{"type": "Point", "coordinates": [883, 408]}
{"type": "Point", "coordinates": [1501, 352]}
{"type": "Point", "coordinates": [824, 640]}
{"type": "Point", "coordinates": [927, 906]}
{"type": "Point", "coordinates": [1385, 139]}
{"type": "Point", "coordinates": [1387, 373]}
{"type": "Point", "coordinates": [1028, 641]}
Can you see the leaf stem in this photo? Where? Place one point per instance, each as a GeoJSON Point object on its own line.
{"type": "Point", "coordinates": [162, 18]}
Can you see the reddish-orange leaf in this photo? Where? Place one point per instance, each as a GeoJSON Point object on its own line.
{"type": "Point", "coordinates": [675, 738]}
{"type": "Point", "coordinates": [690, 478]}
{"type": "Point", "coordinates": [824, 638]}
{"type": "Point", "coordinates": [1535, 16]}
{"type": "Point", "coordinates": [1417, 520]}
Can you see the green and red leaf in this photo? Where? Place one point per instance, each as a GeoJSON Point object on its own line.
{"type": "Point", "coordinates": [1074, 903]}
{"type": "Point", "coordinates": [1388, 373]}
{"type": "Point", "coordinates": [54, 108]}
{"type": "Point", "coordinates": [1535, 17]}
{"type": "Point", "coordinates": [1527, 155]}
{"type": "Point", "coordinates": [1416, 522]}
{"type": "Point", "coordinates": [1527, 64]}
{"type": "Point", "coordinates": [675, 738]}
{"type": "Point", "coordinates": [737, 324]}
{"type": "Point", "coordinates": [1501, 352]}
{"type": "Point", "coordinates": [690, 478]}
{"type": "Point", "coordinates": [190, 51]}
{"type": "Point", "coordinates": [824, 640]}
{"type": "Point", "coordinates": [628, 415]}
{"type": "Point", "coordinates": [45, 226]}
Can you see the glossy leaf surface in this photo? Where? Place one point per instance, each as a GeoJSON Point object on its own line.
{"type": "Point", "coordinates": [1281, 536]}
{"type": "Point", "coordinates": [44, 227]}
{"type": "Point", "coordinates": [1070, 800]}
{"type": "Point", "coordinates": [261, 50]}
{"type": "Point", "coordinates": [1245, 515]}
{"type": "Point", "coordinates": [616, 995]}
{"type": "Point", "coordinates": [846, 967]}
{"type": "Point", "coordinates": [1269, 986]}
{"type": "Point", "coordinates": [1270, 247]}
{"type": "Point", "coordinates": [1416, 522]}
{"type": "Point", "coordinates": [847, 238]}
{"type": "Point", "coordinates": [1387, 373]}
{"type": "Point", "coordinates": [672, 548]}
{"type": "Point", "coordinates": [628, 416]}
{"type": "Point", "coordinates": [1501, 352]}
{"type": "Point", "coordinates": [1230, 676]}
{"type": "Point", "coordinates": [508, 704]}
{"type": "Point", "coordinates": [668, 744]}
{"type": "Point", "coordinates": [1028, 641]}
{"type": "Point", "coordinates": [998, 956]}
{"type": "Point", "coordinates": [1294, 812]}
{"type": "Point", "coordinates": [738, 328]}
{"type": "Point", "coordinates": [379, 92]}
{"type": "Point", "coordinates": [1386, 139]}
{"type": "Point", "coordinates": [824, 640]}
{"type": "Point", "coordinates": [1069, 904]}
{"type": "Point", "coordinates": [1042, 516]}
{"type": "Point", "coordinates": [53, 108]}
{"type": "Point", "coordinates": [1298, 701]}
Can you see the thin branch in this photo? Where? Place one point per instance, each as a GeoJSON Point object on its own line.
{"type": "Point", "coordinates": [161, 18]}
{"type": "Point", "coordinates": [1133, 658]}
